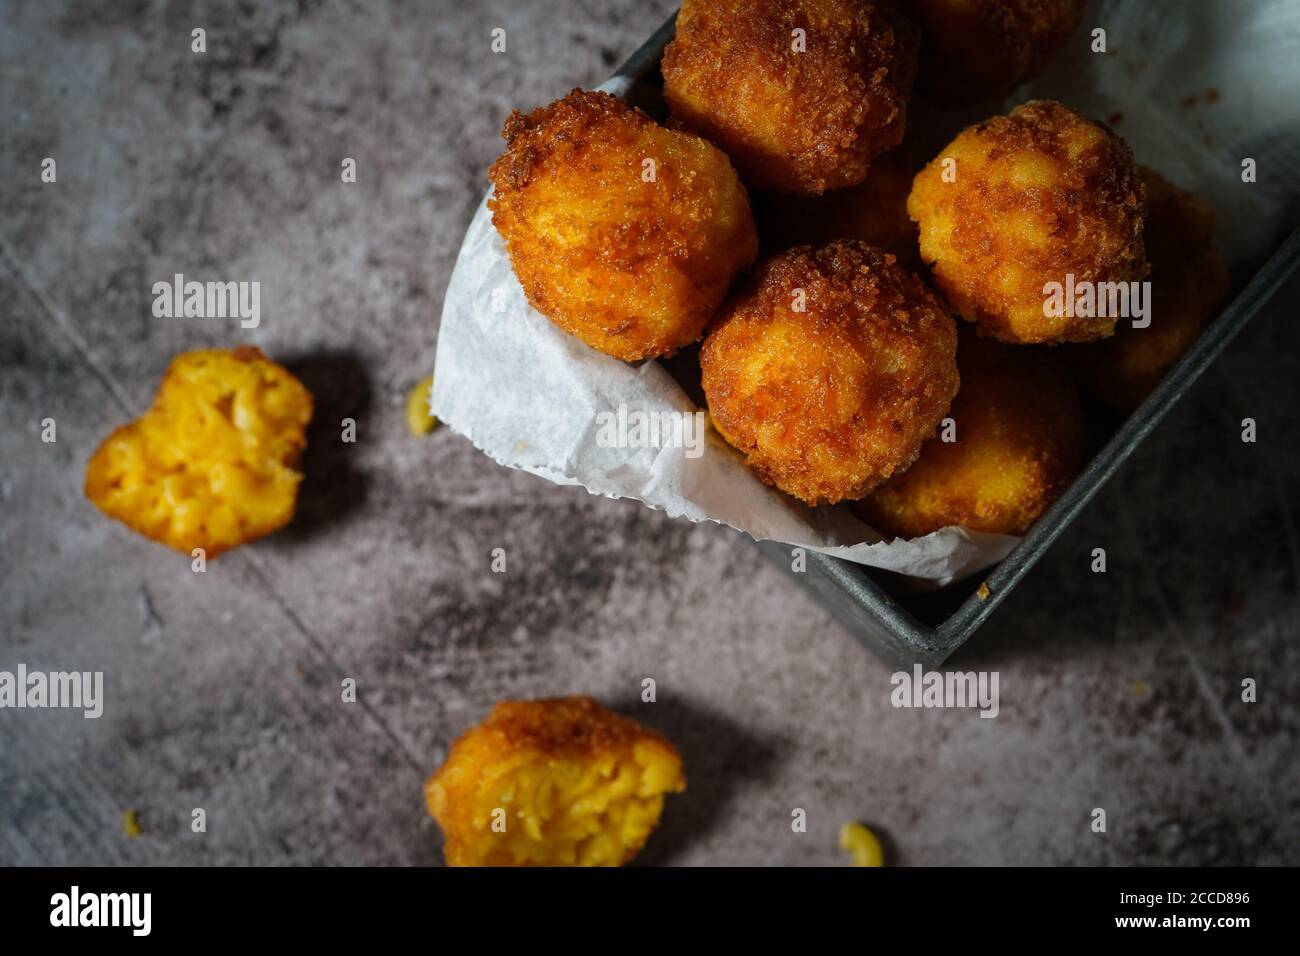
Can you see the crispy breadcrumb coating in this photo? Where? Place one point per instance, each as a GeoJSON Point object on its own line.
{"type": "Point", "coordinates": [828, 402]}
{"type": "Point", "coordinates": [1020, 438]}
{"type": "Point", "coordinates": [1037, 196]}
{"type": "Point", "coordinates": [213, 463]}
{"type": "Point", "coordinates": [791, 119]}
{"type": "Point", "coordinates": [982, 49]}
{"type": "Point", "coordinates": [621, 232]}
{"type": "Point", "coordinates": [560, 782]}
{"type": "Point", "coordinates": [1189, 284]}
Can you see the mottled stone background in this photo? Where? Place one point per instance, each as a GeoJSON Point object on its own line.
{"type": "Point", "coordinates": [1118, 690]}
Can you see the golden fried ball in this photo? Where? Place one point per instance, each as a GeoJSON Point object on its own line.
{"type": "Point", "coordinates": [874, 211]}
{"type": "Point", "coordinates": [1019, 441]}
{"type": "Point", "coordinates": [1189, 284]}
{"type": "Point", "coordinates": [976, 49]}
{"type": "Point", "coordinates": [829, 369]}
{"type": "Point", "coordinates": [560, 782]}
{"type": "Point", "coordinates": [621, 232]}
{"type": "Point", "coordinates": [796, 112]}
{"type": "Point", "coordinates": [213, 463]}
{"type": "Point", "coordinates": [1030, 199]}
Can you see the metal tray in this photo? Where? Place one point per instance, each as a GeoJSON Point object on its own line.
{"type": "Point", "coordinates": [888, 622]}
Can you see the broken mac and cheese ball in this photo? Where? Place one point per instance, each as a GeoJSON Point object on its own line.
{"type": "Point", "coordinates": [829, 368]}
{"type": "Point", "coordinates": [560, 782]}
{"type": "Point", "coordinates": [213, 464]}
{"type": "Point", "coordinates": [1017, 205]}
{"type": "Point", "coordinates": [802, 94]}
{"type": "Point", "coordinates": [621, 232]}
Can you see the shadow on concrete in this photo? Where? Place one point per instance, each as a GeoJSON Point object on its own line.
{"type": "Point", "coordinates": [333, 487]}
{"type": "Point", "coordinates": [721, 760]}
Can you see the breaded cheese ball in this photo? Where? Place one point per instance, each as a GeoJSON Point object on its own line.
{"type": "Point", "coordinates": [796, 112]}
{"type": "Point", "coordinates": [559, 782]}
{"type": "Point", "coordinates": [1020, 440]}
{"type": "Point", "coordinates": [1189, 284]}
{"type": "Point", "coordinates": [1020, 201]}
{"type": "Point", "coordinates": [874, 212]}
{"type": "Point", "coordinates": [621, 232]}
{"type": "Point", "coordinates": [982, 49]}
{"type": "Point", "coordinates": [829, 369]}
{"type": "Point", "coordinates": [213, 464]}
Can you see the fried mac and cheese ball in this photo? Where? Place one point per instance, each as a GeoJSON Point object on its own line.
{"type": "Point", "coordinates": [874, 212]}
{"type": "Point", "coordinates": [1189, 283]}
{"type": "Point", "coordinates": [829, 369]}
{"type": "Point", "coordinates": [621, 232]}
{"type": "Point", "coordinates": [979, 49]}
{"type": "Point", "coordinates": [560, 782]}
{"type": "Point", "coordinates": [1016, 202]}
{"type": "Point", "coordinates": [213, 463]}
{"type": "Point", "coordinates": [799, 112]}
{"type": "Point", "coordinates": [1019, 441]}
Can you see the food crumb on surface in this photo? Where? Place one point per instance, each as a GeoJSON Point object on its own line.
{"type": "Point", "coordinates": [130, 824]}
{"type": "Point", "coordinates": [983, 591]}
{"type": "Point", "coordinates": [1140, 688]}
{"type": "Point", "coordinates": [419, 419]}
{"type": "Point", "coordinates": [857, 839]}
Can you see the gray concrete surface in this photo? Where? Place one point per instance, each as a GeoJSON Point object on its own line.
{"type": "Point", "coordinates": [1118, 691]}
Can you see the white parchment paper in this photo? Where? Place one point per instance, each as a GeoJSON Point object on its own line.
{"type": "Point", "coordinates": [529, 395]}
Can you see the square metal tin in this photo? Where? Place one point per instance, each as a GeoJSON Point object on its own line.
{"type": "Point", "coordinates": [926, 629]}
